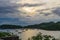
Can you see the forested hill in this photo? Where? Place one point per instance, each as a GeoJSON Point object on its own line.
{"type": "Point", "coordinates": [45, 26]}
{"type": "Point", "coordinates": [7, 26]}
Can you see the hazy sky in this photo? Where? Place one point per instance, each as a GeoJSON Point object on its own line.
{"type": "Point", "coordinates": [26, 12]}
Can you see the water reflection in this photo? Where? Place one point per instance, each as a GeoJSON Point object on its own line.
{"type": "Point", "coordinates": [24, 34]}
{"type": "Point", "coordinates": [27, 34]}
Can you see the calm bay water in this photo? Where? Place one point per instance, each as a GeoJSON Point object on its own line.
{"type": "Point", "coordinates": [24, 34]}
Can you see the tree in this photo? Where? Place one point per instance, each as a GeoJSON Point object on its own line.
{"type": "Point", "coordinates": [42, 37]}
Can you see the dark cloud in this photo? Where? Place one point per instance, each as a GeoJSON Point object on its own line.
{"type": "Point", "coordinates": [6, 6]}
{"type": "Point", "coordinates": [45, 9]}
{"type": "Point", "coordinates": [47, 14]}
{"type": "Point", "coordinates": [56, 11]}
{"type": "Point", "coordinates": [32, 5]}
{"type": "Point", "coordinates": [8, 9]}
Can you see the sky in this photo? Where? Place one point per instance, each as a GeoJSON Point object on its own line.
{"type": "Point", "coordinates": [28, 12]}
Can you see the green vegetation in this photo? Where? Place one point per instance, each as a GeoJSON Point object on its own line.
{"type": "Point", "coordinates": [44, 26]}
{"type": "Point", "coordinates": [4, 34]}
{"type": "Point", "coordinates": [7, 26]}
{"type": "Point", "coordinates": [42, 37]}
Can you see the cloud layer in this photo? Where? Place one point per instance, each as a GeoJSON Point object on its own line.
{"type": "Point", "coordinates": [29, 12]}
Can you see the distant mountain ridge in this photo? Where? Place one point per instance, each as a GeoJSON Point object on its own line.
{"type": "Point", "coordinates": [44, 26]}
{"type": "Point", "coordinates": [8, 26]}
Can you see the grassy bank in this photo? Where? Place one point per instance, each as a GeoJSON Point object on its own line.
{"type": "Point", "coordinates": [4, 34]}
